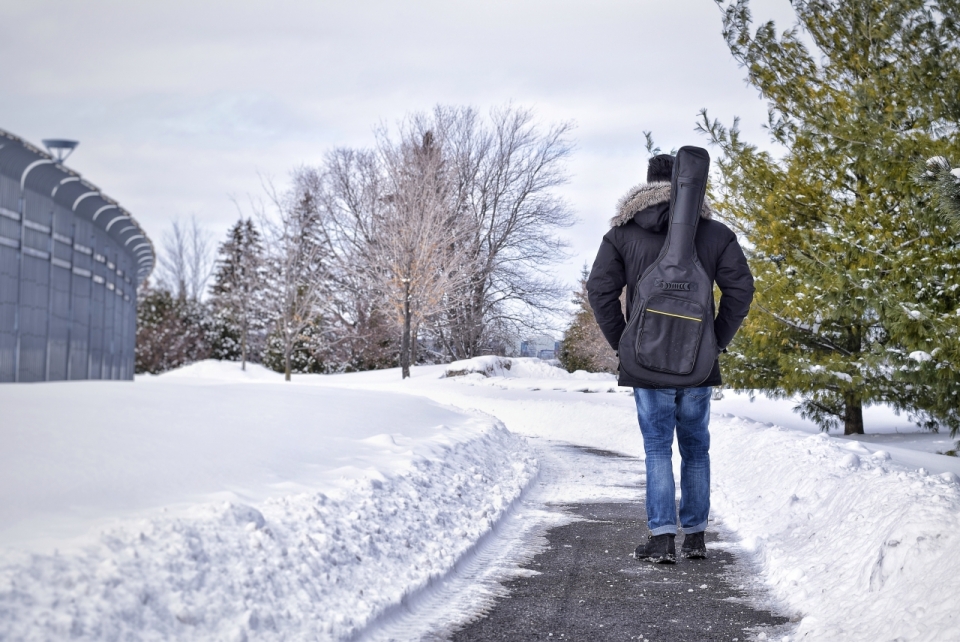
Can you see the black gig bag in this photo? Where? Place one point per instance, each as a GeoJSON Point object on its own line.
{"type": "Point", "coordinates": [669, 340]}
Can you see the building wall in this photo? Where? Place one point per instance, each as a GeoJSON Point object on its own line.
{"type": "Point", "coordinates": [70, 262]}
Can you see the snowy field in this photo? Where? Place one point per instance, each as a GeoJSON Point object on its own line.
{"type": "Point", "coordinates": [211, 503]}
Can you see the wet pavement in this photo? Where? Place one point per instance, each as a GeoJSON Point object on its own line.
{"type": "Point", "coordinates": [587, 586]}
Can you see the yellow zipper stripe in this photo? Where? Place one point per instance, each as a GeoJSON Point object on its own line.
{"type": "Point", "coordinates": [670, 314]}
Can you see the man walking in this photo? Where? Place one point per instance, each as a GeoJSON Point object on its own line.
{"type": "Point", "coordinates": [632, 245]}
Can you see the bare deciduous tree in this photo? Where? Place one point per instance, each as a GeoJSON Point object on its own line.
{"type": "Point", "coordinates": [350, 186]}
{"type": "Point", "coordinates": [448, 226]}
{"type": "Point", "coordinates": [417, 243]}
{"type": "Point", "coordinates": [392, 230]}
{"type": "Point", "coordinates": [186, 261]}
{"type": "Point", "coordinates": [506, 177]}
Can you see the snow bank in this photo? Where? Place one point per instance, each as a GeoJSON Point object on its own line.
{"type": "Point", "coordinates": [528, 373]}
{"type": "Point", "coordinates": [863, 549]}
{"type": "Point", "coordinates": [211, 370]}
{"type": "Point", "coordinates": [198, 506]}
{"type": "Point", "coordinates": [486, 366]}
{"type": "Point", "coordinates": [859, 546]}
{"type": "Point", "coordinates": [886, 429]}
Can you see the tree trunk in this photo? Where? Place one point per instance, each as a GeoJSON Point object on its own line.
{"type": "Point", "coordinates": [286, 362]}
{"type": "Point", "coordinates": [852, 399]}
{"type": "Point", "coordinates": [243, 346]}
{"type": "Point", "coordinates": [853, 414]}
{"type": "Point", "coordinates": [476, 323]}
{"type": "Point", "coordinates": [414, 333]}
{"type": "Point", "coordinates": [405, 338]}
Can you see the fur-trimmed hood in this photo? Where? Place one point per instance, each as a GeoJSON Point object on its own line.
{"type": "Point", "coordinates": [645, 195]}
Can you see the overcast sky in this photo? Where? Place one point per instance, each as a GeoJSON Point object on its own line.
{"type": "Point", "coordinates": [179, 106]}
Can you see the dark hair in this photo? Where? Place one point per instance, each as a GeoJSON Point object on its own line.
{"type": "Point", "coordinates": [660, 168]}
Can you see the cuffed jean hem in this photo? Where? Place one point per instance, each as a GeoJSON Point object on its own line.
{"type": "Point", "coordinates": [671, 529]}
{"type": "Point", "coordinates": [699, 528]}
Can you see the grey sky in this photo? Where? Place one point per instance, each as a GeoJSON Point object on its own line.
{"type": "Point", "coordinates": [180, 105]}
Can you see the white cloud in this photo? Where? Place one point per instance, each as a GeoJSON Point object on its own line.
{"type": "Point", "coordinates": [180, 104]}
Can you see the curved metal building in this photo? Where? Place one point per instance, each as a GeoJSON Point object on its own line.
{"type": "Point", "coordinates": [70, 262]}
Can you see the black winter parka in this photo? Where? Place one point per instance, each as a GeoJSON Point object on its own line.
{"type": "Point", "coordinates": [633, 243]}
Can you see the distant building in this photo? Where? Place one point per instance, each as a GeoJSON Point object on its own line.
{"type": "Point", "coordinates": [70, 263]}
{"type": "Point", "coordinates": [541, 347]}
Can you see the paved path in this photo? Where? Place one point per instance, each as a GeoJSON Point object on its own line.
{"type": "Point", "coordinates": [589, 587]}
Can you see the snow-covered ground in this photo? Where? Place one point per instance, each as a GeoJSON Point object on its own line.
{"type": "Point", "coordinates": [885, 429]}
{"type": "Point", "coordinates": [211, 503]}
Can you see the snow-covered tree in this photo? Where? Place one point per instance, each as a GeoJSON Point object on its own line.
{"type": "Point", "coordinates": [857, 279]}
{"type": "Point", "coordinates": [583, 346]}
{"type": "Point", "coordinates": [294, 282]}
{"type": "Point", "coordinates": [945, 183]}
{"type": "Point", "coordinates": [306, 356]}
{"type": "Point", "coordinates": [174, 325]}
{"type": "Point", "coordinates": [362, 331]}
{"type": "Point", "coordinates": [932, 323]}
{"type": "Point", "coordinates": [238, 286]}
{"type": "Point", "coordinates": [171, 331]}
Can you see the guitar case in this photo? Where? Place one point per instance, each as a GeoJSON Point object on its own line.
{"type": "Point", "coordinates": [669, 340]}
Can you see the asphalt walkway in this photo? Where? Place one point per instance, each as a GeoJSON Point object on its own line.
{"type": "Point", "coordinates": [589, 587]}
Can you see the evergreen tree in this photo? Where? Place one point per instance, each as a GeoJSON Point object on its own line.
{"type": "Point", "coordinates": [224, 336]}
{"type": "Point", "coordinates": [934, 368]}
{"type": "Point", "coordinates": [171, 331]}
{"type": "Point", "coordinates": [583, 346]}
{"type": "Point", "coordinates": [237, 291]}
{"type": "Point", "coordinates": [945, 182]}
{"type": "Point", "coordinates": [857, 288]}
{"type": "Point", "coordinates": [296, 276]}
{"type": "Point", "coordinates": [306, 356]}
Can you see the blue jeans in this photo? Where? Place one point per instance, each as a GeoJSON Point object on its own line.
{"type": "Point", "coordinates": [688, 411]}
